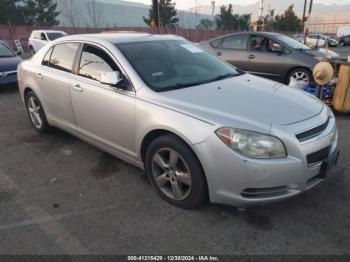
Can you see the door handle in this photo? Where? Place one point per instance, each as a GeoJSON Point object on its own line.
{"type": "Point", "coordinates": [219, 53]}
{"type": "Point", "coordinates": [77, 87]}
{"type": "Point", "coordinates": [251, 56]}
{"type": "Point", "coordinates": [40, 76]}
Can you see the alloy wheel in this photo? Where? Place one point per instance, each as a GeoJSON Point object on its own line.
{"type": "Point", "coordinates": [171, 174]}
{"type": "Point", "coordinates": [300, 76]}
{"type": "Point", "coordinates": [35, 112]}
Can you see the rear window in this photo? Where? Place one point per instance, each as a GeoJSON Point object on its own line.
{"type": "Point", "coordinates": [63, 55]}
{"type": "Point", "coordinates": [54, 36]}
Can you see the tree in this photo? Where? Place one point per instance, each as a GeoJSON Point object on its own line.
{"type": "Point", "coordinates": [288, 22]}
{"type": "Point", "coordinates": [227, 20]}
{"type": "Point", "coordinates": [205, 23]}
{"type": "Point", "coordinates": [71, 12]}
{"type": "Point", "coordinates": [94, 12]}
{"type": "Point", "coordinates": [244, 22]}
{"type": "Point", "coordinates": [11, 12]}
{"type": "Point", "coordinates": [40, 12]}
{"type": "Point", "coordinates": [167, 14]}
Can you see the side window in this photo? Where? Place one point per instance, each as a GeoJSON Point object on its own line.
{"type": "Point", "coordinates": [43, 37]}
{"type": "Point", "coordinates": [62, 56]}
{"type": "Point", "coordinates": [235, 42]}
{"type": "Point", "coordinates": [46, 59]}
{"type": "Point", "coordinates": [263, 44]}
{"type": "Point", "coordinates": [94, 62]}
{"type": "Point", "coordinates": [215, 43]}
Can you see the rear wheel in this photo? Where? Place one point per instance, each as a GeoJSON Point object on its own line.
{"type": "Point", "coordinates": [36, 113]}
{"type": "Point", "coordinates": [175, 173]}
{"type": "Point", "coordinates": [299, 74]}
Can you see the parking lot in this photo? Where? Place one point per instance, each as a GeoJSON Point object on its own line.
{"type": "Point", "coordinates": [59, 195]}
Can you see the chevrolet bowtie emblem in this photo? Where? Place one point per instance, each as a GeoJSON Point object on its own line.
{"type": "Point", "coordinates": [3, 74]}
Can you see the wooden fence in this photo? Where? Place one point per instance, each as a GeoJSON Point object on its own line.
{"type": "Point", "coordinates": [22, 33]}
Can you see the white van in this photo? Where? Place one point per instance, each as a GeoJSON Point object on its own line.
{"type": "Point", "coordinates": [343, 35]}
{"type": "Point", "coordinates": [39, 38]}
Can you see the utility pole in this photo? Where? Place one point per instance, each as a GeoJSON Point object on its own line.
{"type": "Point", "coordinates": [304, 12]}
{"type": "Point", "coordinates": [308, 21]}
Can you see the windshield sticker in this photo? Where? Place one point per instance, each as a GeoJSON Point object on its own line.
{"type": "Point", "coordinates": [192, 48]}
{"type": "Point", "coordinates": [157, 74]}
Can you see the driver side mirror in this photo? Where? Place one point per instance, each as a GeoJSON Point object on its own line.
{"type": "Point", "coordinates": [19, 53]}
{"type": "Point", "coordinates": [111, 78]}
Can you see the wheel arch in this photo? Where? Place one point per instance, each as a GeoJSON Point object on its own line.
{"type": "Point", "coordinates": [155, 133]}
{"type": "Point", "coordinates": [294, 68]}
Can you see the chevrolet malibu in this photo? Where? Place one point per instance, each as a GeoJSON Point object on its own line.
{"type": "Point", "coordinates": [200, 128]}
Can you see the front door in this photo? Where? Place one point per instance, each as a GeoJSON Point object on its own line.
{"type": "Point", "coordinates": [103, 113]}
{"type": "Point", "coordinates": [265, 59]}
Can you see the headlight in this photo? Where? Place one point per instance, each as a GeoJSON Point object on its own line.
{"type": "Point", "coordinates": [252, 144]}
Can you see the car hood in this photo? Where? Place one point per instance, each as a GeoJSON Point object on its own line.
{"type": "Point", "coordinates": [9, 63]}
{"type": "Point", "coordinates": [244, 98]}
{"type": "Point", "coordinates": [322, 52]}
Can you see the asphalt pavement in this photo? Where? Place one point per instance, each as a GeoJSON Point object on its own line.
{"type": "Point", "coordinates": [60, 195]}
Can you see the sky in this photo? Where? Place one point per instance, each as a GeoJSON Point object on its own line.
{"type": "Point", "coordinates": [187, 4]}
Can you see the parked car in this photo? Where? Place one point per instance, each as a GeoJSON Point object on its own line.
{"type": "Point", "coordinates": [200, 127]}
{"type": "Point", "coordinates": [319, 40]}
{"type": "Point", "coordinates": [271, 55]}
{"type": "Point", "coordinates": [299, 37]}
{"type": "Point", "coordinates": [343, 35]}
{"type": "Point", "coordinates": [9, 61]}
{"type": "Point", "coordinates": [40, 38]}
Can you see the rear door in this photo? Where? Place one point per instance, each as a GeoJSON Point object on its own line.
{"type": "Point", "coordinates": [55, 78]}
{"type": "Point", "coordinates": [102, 112]}
{"type": "Point", "coordinates": [233, 49]}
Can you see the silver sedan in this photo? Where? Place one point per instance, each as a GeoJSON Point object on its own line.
{"type": "Point", "coordinates": [200, 128]}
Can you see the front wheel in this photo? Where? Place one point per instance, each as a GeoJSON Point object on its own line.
{"type": "Point", "coordinates": [36, 113]}
{"type": "Point", "coordinates": [299, 74]}
{"type": "Point", "coordinates": [175, 173]}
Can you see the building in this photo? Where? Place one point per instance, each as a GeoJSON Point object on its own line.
{"type": "Point", "coordinates": [116, 13]}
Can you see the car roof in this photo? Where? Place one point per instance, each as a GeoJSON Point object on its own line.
{"type": "Point", "coordinates": [120, 37]}
{"type": "Point", "coordinates": [48, 31]}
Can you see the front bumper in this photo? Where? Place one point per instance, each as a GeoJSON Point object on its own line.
{"type": "Point", "coordinates": [240, 181]}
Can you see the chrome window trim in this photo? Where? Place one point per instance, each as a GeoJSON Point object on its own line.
{"type": "Point", "coordinates": [94, 81]}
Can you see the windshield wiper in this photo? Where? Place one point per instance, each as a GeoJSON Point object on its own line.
{"type": "Point", "coordinates": [184, 85]}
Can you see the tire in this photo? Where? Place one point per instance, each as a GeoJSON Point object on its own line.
{"type": "Point", "coordinates": [182, 182]}
{"type": "Point", "coordinates": [32, 51]}
{"type": "Point", "coordinates": [303, 74]}
{"type": "Point", "coordinates": [36, 113]}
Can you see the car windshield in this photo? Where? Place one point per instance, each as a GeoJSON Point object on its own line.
{"type": "Point", "coordinates": [292, 43]}
{"type": "Point", "coordinates": [54, 36]}
{"type": "Point", "coordinates": [173, 64]}
{"type": "Point", "coordinates": [5, 51]}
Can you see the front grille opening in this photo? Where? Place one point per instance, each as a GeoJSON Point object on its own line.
{"type": "Point", "coordinates": [312, 132]}
{"type": "Point", "coordinates": [264, 192]}
{"type": "Point", "coordinates": [318, 156]}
